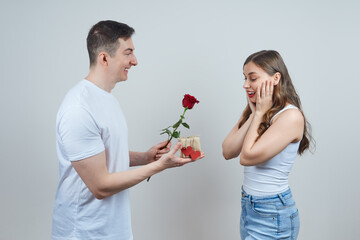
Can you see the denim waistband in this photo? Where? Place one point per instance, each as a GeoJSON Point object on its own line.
{"type": "Point", "coordinates": [282, 196]}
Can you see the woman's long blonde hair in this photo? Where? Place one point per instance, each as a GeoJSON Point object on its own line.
{"type": "Point", "coordinates": [271, 62]}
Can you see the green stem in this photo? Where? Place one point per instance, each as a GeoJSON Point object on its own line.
{"type": "Point", "coordinates": [184, 111]}
{"type": "Point", "coordinates": [169, 140]}
{"type": "Point", "coordinates": [176, 128]}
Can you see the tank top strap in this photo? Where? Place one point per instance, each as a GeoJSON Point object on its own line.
{"type": "Point", "coordinates": [290, 106]}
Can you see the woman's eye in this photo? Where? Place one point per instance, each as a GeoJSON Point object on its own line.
{"type": "Point", "coordinates": [251, 79]}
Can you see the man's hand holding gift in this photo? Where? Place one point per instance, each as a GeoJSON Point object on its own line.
{"type": "Point", "coordinates": [166, 157]}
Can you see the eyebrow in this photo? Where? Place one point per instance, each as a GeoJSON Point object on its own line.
{"type": "Point", "coordinates": [129, 49]}
{"type": "Point", "coordinates": [251, 73]}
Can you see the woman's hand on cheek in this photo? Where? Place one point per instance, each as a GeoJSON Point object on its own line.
{"type": "Point", "coordinates": [264, 97]}
{"type": "Point", "coordinates": [251, 105]}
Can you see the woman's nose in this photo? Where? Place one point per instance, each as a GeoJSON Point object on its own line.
{"type": "Point", "coordinates": [246, 84]}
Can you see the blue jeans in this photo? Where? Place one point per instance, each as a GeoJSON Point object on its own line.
{"type": "Point", "coordinates": [270, 217]}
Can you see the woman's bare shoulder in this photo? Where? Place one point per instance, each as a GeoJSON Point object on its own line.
{"type": "Point", "coordinates": [292, 115]}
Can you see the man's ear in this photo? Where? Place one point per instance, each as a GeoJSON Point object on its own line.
{"type": "Point", "coordinates": [102, 59]}
{"type": "Point", "coordinates": [276, 77]}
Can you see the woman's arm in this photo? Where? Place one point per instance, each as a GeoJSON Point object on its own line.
{"type": "Point", "coordinates": [287, 127]}
{"type": "Point", "coordinates": [234, 140]}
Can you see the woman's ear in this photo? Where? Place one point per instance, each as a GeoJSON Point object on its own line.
{"type": "Point", "coordinates": [276, 77]}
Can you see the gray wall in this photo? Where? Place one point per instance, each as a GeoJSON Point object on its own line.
{"type": "Point", "coordinates": [195, 47]}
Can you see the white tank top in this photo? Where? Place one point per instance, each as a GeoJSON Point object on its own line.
{"type": "Point", "coordinates": [271, 177]}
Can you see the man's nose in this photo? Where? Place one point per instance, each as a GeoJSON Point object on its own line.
{"type": "Point", "coordinates": [134, 61]}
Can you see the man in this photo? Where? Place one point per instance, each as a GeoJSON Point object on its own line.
{"type": "Point", "coordinates": [92, 199]}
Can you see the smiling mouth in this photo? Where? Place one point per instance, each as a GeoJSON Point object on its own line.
{"type": "Point", "coordinates": [251, 94]}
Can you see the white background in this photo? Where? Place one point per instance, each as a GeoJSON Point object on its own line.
{"type": "Point", "coordinates": [195, 47]}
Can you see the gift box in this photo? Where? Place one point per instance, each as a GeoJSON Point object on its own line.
{"type": "Point", "coordinates": [193, 141]}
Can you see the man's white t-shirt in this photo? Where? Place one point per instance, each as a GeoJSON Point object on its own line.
{"type": "Point", "coordinates": [89, 122]}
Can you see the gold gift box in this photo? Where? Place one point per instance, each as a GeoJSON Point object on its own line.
{"type": "Point", "coordinates": [193, 141]}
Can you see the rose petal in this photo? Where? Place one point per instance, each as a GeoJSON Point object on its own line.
{"type": "Point", "coordinates": [189, 101]}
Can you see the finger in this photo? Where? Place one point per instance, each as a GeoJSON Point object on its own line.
{"type": "Point", "coordinates": [163, 151]}
{"type": "Point", "coordinates": [188, 160]}
{"type": "Point", "coordinates": [272, 88]}
{"type": "Point", "coordinates": [258, 94]}
{"type": "Point", "coordinates": [175, 148]}
{"type": "Point", "coordinates": [267, 88]}
{"type": "Point", "coordinates": [200, 157]}
{"type": "Point", "coordinates": [182, 161]}
{"type": "Point", "coordinates": [263, 91]}
{"type": "Point", "coordinates": [162, 144]}
{"type": "Point", "coordinates": [248, 99]}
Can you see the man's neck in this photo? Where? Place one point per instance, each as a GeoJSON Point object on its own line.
{"type": "Point", "coordinates": [100, 80]}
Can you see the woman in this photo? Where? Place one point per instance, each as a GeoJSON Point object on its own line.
{"type": "Point", "coordinates": [270, 133]}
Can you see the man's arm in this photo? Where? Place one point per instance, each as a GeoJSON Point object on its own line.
{"type": "Point", "coordinates": [151, 155]}
{"type": "Point", "coordinates": [102, 184]}
{"type": "Point", "coordinates": [138, 158]}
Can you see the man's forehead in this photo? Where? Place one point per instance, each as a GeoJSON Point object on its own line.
{"type": "Point", "coordinates": [126, 44]}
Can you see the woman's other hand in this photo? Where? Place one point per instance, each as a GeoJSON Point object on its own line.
{"type": "Point", "coordinates": [264, 100]}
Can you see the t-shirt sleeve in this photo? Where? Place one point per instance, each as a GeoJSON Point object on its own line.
{"type": "Point", "coordinates": [79, 134]}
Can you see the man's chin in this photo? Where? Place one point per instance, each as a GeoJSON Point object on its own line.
{"type": "Point", "coordinates": [122, 79]}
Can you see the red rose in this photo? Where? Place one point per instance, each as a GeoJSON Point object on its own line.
{"type": "Point", "coordinates": [189, 101]}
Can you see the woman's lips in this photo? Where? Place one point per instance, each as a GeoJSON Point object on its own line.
{"type": "Point", "coordinates": [251, 94]}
